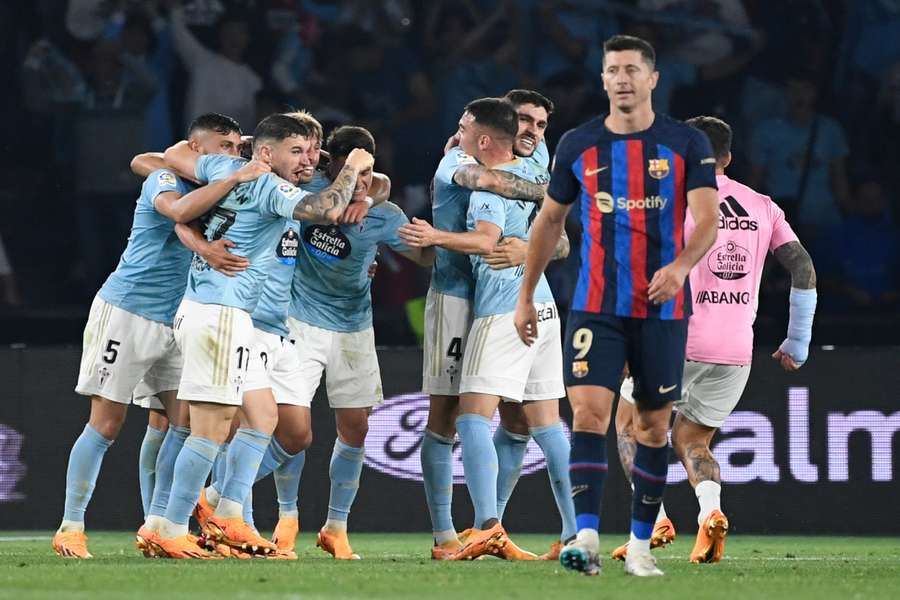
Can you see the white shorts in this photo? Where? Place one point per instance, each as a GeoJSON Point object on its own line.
{"type": "Point", "coordinates": [448, 320]}
{"type": "Point", "coordinates": [498, 362]}
{"type": "Point", "coordinates": [348, 359]}
{"type": "Point", "coordinates": [275, 365]}
{"type": "Point", "coordinates": [145, 396]}
{"type": "Point", "coordinates": [216, 342]}
{"type": "Point", "coordinates": [120, 348]}
{"type": "Point", "coordinates": [709, 392]}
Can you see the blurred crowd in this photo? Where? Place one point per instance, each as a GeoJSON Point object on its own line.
{"type": "Point", "coordinates": [811, 88]}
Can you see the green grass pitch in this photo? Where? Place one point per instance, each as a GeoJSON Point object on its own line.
{"type": "Point", "coordinates": [398, 566]}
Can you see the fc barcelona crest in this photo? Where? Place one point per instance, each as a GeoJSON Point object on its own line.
{"type": "Point", "coordinates": [658, 167]}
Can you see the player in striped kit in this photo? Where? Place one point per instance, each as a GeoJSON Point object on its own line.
{"type": "Point", "coordinates": [635, 174]}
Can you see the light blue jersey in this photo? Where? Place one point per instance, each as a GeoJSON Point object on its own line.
{"type": "Point", "coordinates": [274, 303]}
{"type": "Point", "coordinates": [452, 272]}
{"type": "Point", "coordinates": [150, 278]}
{"type": "Point", "coordinates": [497, 291]}
{"type": "Point", "coordinates": [331, 280]}
{"type": "Point", "coordinates": [252, 216]}
{"type": "Point", "coordinates": [541, 158]}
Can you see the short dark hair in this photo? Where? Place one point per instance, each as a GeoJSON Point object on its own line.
{"type": "Point", "coordinates": [344, 139]}
{"type": "Point", "coordinates": [495, 113]}
{"type": "Point", "coordinates": [620, 43]}
{"type": "Point", "coordinates": [214, 122]}
{"type": "Point", "coordinates": [520, 97]}
{"type": "Point", "coordinates": [718, 132]}
{"type": "Point", "coordinates": [277, 127]}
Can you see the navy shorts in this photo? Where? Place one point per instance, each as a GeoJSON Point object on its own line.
{"type": "Point", "coordinates": [597, 346]}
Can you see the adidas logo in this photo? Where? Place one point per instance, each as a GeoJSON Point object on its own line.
{"type": "Point", "coordinates": [733, 217]}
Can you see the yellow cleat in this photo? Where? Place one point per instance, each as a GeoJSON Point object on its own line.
{"type": "Point", "coordinates": [553, 552]}
{"type": "Point", "coordinates": [184, 547]}
{"type": "Point", "coordinates": [203, 511]}
{"type": "Point", "coordinates": [663, 535]}
{"type": "Point", "coordinates": [234, 532]}
{"type": "Point", "coordinates": [710, 545]}
{"type": "Point", "coordinates": [71, 544]}
{"type": "Point", "coordinates": [481, 542]}
{"type": "Point", "coordinates": [336, 543]}
{"type": "Point", "coordinates": [146, 542]}
{"type": "Point", "coordinates": [445, 550]}
{"type": "Point", "coordinates": [285, 535]}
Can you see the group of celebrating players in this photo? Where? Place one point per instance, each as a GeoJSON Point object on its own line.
{"type": "Point", "coordinates": [244, 280]}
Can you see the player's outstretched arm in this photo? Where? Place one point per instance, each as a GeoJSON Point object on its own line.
{"type": "Point", "coordinates": [704, 206]}
{"type": "Point", "coordinates": [182, 159]}
{"type": "Point", "coordinates": [328, 205]}
{"type": "Point", "coordinates": [512, 252]}
{"type": "Point", "coordinates": [215, 253]}
{"type": "Point", "coordinates": [420, 234]}
{"type": "Point", "coordinates": [144, 164]}
{"type": "Point", "coordinates": [502, 183]}
{"type": "Point", "coordinates": [424, 257]}
{"type": "Point", "coordinates": [184, 209]}
{"type": "Point", "coordinates": [794, 350]}
{"type": "Point", "coordinates": [545, 235]}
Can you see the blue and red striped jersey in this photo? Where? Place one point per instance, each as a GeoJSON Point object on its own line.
{"type": "Point", "coordinates": [632, 191]}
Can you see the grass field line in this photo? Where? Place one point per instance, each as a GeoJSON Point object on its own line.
{"type": "Point", "coordinates": [26, 538]}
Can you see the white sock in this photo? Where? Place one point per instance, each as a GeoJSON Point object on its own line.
{"type": "Point", "coordinates": [332, 525]}
{"type": "Point", "coordinates": [708, 494]}
{"type": "Point", "coordinates": [662, 513]}
{"type": "Point", "coordinates": [229, 509]}
{"type": "Point", "coordinates": [169, 530]}
{"type": "Point", "coordinates": [289, 514]}
{"type": "Point", "coordinates": [442, 537]}
{"type": "Point", "coordinates": [638, 546]}
{"type": "Point", "coordinates": [212, 496]}
{"type": "Point", "coordinates": [70, 526]}
{"type": "Point", "coordinates": [153, 522]}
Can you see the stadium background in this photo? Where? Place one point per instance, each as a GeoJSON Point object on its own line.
{"type": "Point", "coordinates": [92, 82]}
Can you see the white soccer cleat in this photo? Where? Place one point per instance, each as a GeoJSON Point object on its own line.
{"type": "Point", "coordinates": [641, 564]}
{"type": "Point", "coordinates": [583, 553]}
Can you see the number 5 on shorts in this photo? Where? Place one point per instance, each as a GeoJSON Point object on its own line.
{"type": "Point", "coordinates": [582, 341]}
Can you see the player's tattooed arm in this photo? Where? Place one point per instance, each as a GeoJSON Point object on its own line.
{"type": "Point", "coordinates": [796, 260]}
{"type": "Point", "coordinates": [627, 447]}
{"type": "Point", "coordinates": [328, 205]}
{"type": "Point", "coordinates": [215, 253]}
{"type": "Point", "coordinates": [144, 164]}
{"type": "Point", "coordinates": [502, 183]}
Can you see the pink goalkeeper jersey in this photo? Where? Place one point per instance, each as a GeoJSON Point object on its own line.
{"type": "Point", "coordinates": [725, 282]}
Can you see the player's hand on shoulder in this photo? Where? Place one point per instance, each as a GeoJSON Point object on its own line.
{"type": "Point", "coordinates": [510, 252]}
{"type": "Point", "coordinates": [252, 170]}
{"type": "Point", "coordinates": [452, 142]}
{"type": "Point", "coordinates": [666, 282]}
{"type": "Point", "coordinates": [418, 233]}
{"type": "Point", "coordinates": [525, 320]}
{"type": "Point", "coordinates": [223, 261]}
{"type": "Point", "coordinates": [354, 213]}
{"type": "Point", "coordinates": [360, 159]}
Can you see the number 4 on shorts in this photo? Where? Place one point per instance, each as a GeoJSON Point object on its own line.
{"type": "Point", "coordinates": [454, 350]}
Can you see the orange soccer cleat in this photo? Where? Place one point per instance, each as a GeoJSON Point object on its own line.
{"type": "Point", "coordinates": [71, 544]}
{"type": "Point", "coordinates": [203, 511]}
{"type": "Point", "coordinates": [234, 532]}
{"type": "Point", "coordinates": [511, 551]}
{"type": "Point", "coordinates": [663, 535]}
{"type": "Point", "coordinates": [285, 535]}
{"type": "Point", "coordinates": [146, 542]}
{"type": "Point", "coordinates": [553, 552]}
{"type": "Point", "coordinates": [445, 550]}
{"type": "Point", "coordinates": [184, 547]}
{"type": "Point", "coordinates": [479, 542]}
{"type": "Point", "coordinates": [710, 545]}
{"type": "Point", "coordinates": [336, 543]}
